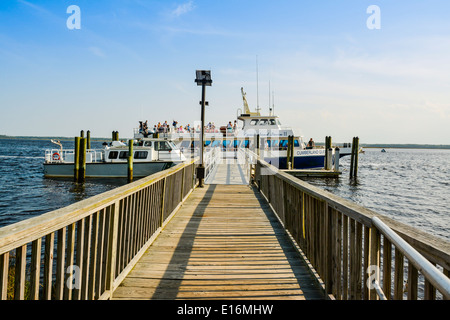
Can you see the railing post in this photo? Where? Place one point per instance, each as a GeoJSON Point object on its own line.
{"type": "Point", "coordinates": [163, 195]}
{"type": "Point", "coordinates": [112, 247]}
{"type": "Point", "coordinates": [374, 257]}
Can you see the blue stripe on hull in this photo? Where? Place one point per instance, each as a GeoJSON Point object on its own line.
{"type": "Point", "coordinates": [299, 162]}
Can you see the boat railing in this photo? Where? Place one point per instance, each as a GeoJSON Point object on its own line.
{"type": "Point", "coordinates": [212, 158]}
{"type": "Point", "coordinates": [356, 253]}
{"type": "Point", "coordinates": [68, 155]}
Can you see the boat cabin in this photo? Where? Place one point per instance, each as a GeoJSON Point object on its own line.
{"type": "Point", "coordinates": [144, 150]}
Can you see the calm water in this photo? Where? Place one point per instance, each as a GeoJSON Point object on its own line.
{"type": "Point", "coordinates": [25, 193]}
{"type": "Point", "coordinates": [409, 185]}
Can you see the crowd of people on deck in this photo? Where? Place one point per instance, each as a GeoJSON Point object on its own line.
{"type": "Point", "coordinates": [175, 128]}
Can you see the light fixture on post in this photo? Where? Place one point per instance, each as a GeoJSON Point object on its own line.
{"type": "Point", "coordinates": [203, 78]}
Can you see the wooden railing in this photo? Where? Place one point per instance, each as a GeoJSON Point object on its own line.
{"type": "Point", "coordinates": [349, 255]}
{"type": "Point", "coordinates": [85, 250]}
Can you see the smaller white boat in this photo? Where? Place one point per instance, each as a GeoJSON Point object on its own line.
{"type": "Point", "coordinates": [151, 155]}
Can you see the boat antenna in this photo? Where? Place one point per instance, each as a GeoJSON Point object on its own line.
{"type": "Point", "coordinates": [270, 109]}
{"type": "Point", "coordinates": [257, 86]}
{"type": "Point", "coordinates": [273, 103]}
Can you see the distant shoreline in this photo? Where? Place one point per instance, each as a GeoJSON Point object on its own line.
{"type": "Point", "coordinates": [364, 145]}
{"type": "Point", "coordinates": [3, 137]}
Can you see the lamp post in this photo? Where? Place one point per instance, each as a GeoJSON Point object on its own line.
{"type": "Point", "coordinates": [203, 78]}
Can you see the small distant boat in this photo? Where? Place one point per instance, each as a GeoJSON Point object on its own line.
{"type": "Point", "coordinates": [382, 150]}
{"type": "Point", "coordinates": [151, 155]}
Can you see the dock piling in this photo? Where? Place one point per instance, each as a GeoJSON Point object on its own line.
{"type": "Point", "coordinates": [88, 141]}
{"type": "Point", "coordinates": [290, 153]}
{"type": "Point", "coordinates": [327, 162]}
{"type": "Point", "coordinates": [336, 159]}
{"type": "Point", "coordinates": [130, 160]}
{"type": "Point", "coordinates": [76, 161]}
{"type": "Point", "coordinates": [354, 158]}
{"type": "Point", "coordinates": [328, 158]}
{"type": "Point", "coordinates": [82, 160]}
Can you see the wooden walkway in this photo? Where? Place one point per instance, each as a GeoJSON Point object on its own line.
{"type": "Point", "coordinates": [223, 243]}
{"type": "Point", "coordinates": [229, 172]}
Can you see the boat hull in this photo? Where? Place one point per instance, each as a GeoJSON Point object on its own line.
{"type": "Point", "coordinates": [106, 170]}
{"type": "Point", "coordinates": [304, 159]}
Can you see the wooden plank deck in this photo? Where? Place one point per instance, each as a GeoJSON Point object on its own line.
{"type": "Point", "coordinates": [224, 243]}
{"type": "Point", "coordinates": [228, 171]}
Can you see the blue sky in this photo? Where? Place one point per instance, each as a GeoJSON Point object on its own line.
{"type": "Point", "coordinates": [135, 60]}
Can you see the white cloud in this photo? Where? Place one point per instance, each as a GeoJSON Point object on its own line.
{"type": "Point", "coordinates": [183, 9]}
{"type": "Point", "coordinates": [97, 51]}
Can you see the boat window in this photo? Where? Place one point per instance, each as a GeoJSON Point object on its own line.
{"type": "Point", "coordinates": [237, 143]}
{"type": "Point", "coordinates": [162, 146]}
{"type": "Point", "coordinates": [272, 122]}
{"type": "Point", "coordinates": [246, 143]}
{"type": "Point", "coordinates": [215, 143]}
{"type": "Point", "coordinates": [207, 143]}
{"type": "Point", "coordinates": [254, 122]}
{"type": "Point", "coordinates": [141, 154]}
{"type": "Point", "coordinates": [296, 144]}
{"type": "Point", "coordinates": [263, 122]}
{"type": "Point", "coordinates": [226, 143]}
{"type": "Point", "coordinates": [185, 144]}
{"type": "Point", "coordinates": [272, 143]}
{"type": "Point", "coordinates": [113, 155]}
{"type": "Point", "coordinates": [278, 122]}
{"type": "Point", "coordinates": [148, 143]}
{"type": "Point", "coordinates": [283, 144]}
{"type": "Point", "coordinates": [123, 155]}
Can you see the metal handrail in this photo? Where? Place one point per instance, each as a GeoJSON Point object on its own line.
{"type": "Point", "coordinates": [432, 274]}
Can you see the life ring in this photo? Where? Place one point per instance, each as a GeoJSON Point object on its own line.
{"type": "Point", "coordinates": [56, 156]}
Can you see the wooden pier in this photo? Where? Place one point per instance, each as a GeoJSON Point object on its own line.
{"type": "Point", "coordinates": [224, 243]}
{"type": "Point", "coordinates": [253, 232]}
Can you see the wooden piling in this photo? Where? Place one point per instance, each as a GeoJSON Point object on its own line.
{"type": "Point", "coordinates": [76, 161]}
{"type": "Point", "coordinates": [130, 161]}
{"type": "Point", "coordinates": [355, 168]}
{"type": "Point", "coordinates": [354, 158]}
{"type": "Point", "coordinates": [290, 153]}
{"type": "Point", "coordinates": [328, 158]}
{"type": "Point", "coordinates": [88, 141]}
{"type": "Point", "coordinates": [327, 161]}
{"type": "Point", "coordinates": [257, 145]}
{"type": "Point", "coordinates": [82, 160]}
{"type": "Point", "coordinates": [336, 159]}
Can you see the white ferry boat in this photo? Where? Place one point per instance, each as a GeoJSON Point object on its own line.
{"type": "Point", "coordinates": [273, 143]}
{"type": "Point", "coordinates": [150, 156]}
